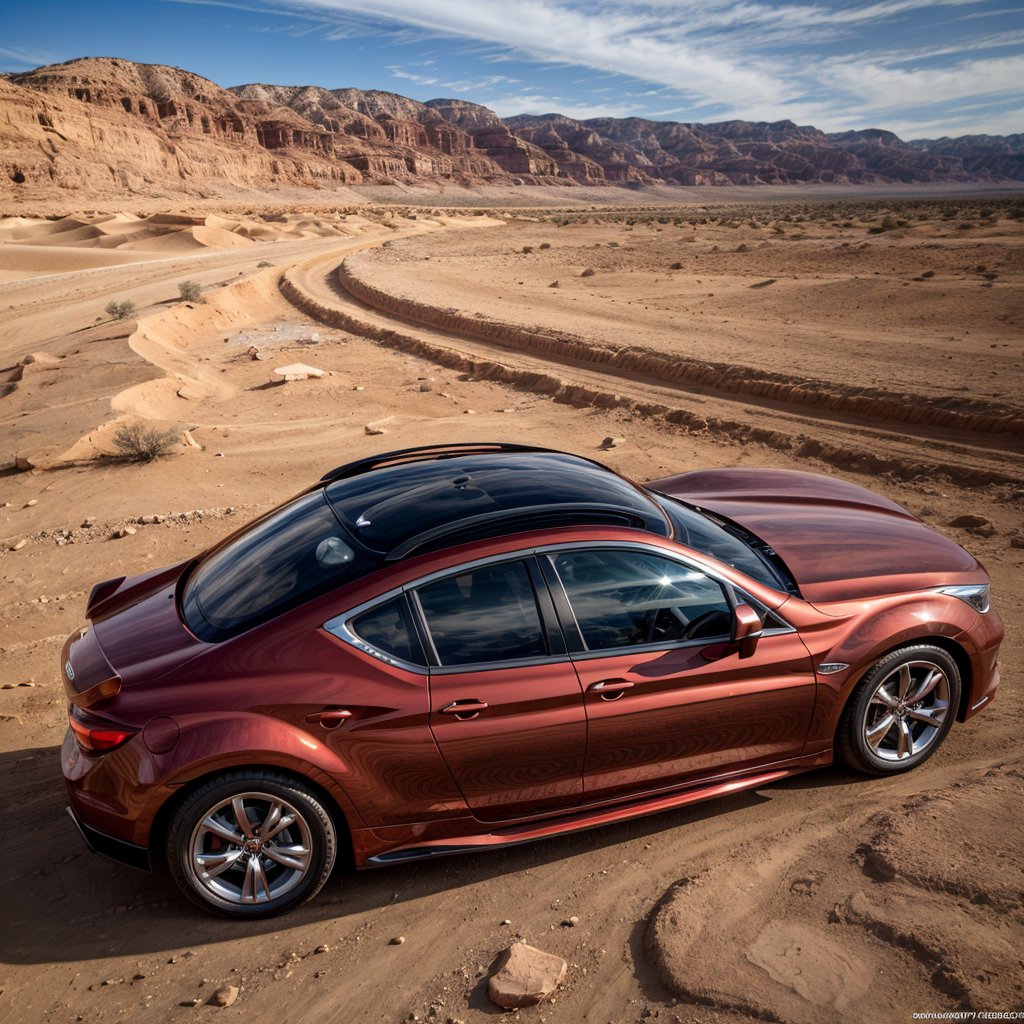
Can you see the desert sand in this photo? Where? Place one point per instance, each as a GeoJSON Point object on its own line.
{"type": "Point", "coordinates": [878, 341]}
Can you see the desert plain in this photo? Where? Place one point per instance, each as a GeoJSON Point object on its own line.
{"type": "Point", "coordinates": [879, 339]}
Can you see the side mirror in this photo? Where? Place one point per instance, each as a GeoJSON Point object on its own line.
{"type": "Point", "coordinates": [746, 629]}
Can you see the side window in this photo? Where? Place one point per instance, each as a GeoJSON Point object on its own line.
{"type": "Point", "coordinates": [623, 598]}
{"type": "Point", "coordinates": [388, 629]}
{"type": "Point", "coordinates": [487, 615]}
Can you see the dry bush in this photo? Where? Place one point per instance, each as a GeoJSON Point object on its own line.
{"type": "Point", "coordinates": [119, 310]}
{"type": "Point", "coordinates": [136, 442]}
{"type": "Point", "coordinates": [190, 291]}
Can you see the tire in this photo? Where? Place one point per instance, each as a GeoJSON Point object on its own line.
{"type": "Point", "coordinates": [881, 731]}
{"type": "Point", "coordinates": [229, 852]}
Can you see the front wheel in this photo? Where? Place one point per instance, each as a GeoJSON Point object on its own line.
{"type": "Point", "coordinates": [900, 711]}
{"type": "Point", "coordinates": [251, 844]}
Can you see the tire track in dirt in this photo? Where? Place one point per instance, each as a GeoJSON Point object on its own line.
{"type": "Point", "coordinates": [949, 411]}
{"type": "Point", "coordinates": [318, 289]}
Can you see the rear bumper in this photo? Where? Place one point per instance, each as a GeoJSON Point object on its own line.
{"type": "Point", "coordinates": [116, 849]}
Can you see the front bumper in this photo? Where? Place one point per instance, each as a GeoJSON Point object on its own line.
{"type": "Point", "coordinates": [117, 849]}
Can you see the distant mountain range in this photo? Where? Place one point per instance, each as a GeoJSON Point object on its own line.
{"type": "Point", "coordinates": [103, 126]}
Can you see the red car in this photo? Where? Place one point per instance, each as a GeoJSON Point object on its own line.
{"type": "Point", "coordinates": [450, 648]}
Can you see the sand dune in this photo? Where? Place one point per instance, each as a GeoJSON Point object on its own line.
{"type": "Point", "coordinates": [33, 246]}
{"type": "Point", "coordinates": [21, 261]}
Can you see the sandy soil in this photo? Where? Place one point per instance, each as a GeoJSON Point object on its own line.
{"type": "Point", "coordinates": [824, 898]}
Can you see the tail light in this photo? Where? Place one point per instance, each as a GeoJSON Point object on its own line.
{"type": "Point", "coordinates": [96, 737]}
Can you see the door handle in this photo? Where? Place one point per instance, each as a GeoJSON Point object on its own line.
{"type": "Point", "coordinates": [610, 689]}
{"type": "Point", "coordinates": [464, 709]}
{"type": "Point", "coordinates": [329, 718]}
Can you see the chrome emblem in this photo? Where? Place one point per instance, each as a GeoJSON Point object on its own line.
{"type": "Point", "coordinates": [69, 671]}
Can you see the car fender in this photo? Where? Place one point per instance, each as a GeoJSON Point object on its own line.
{"type": "Point", "coordinates": [208, 745]}
{"type": "Point", "coordinates": [842, 653]}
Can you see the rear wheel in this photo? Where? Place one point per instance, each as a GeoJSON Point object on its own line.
{"type": "Point", "coordinates": [251, 844]}
{"type": "Point", "coordinates": [900, 711]}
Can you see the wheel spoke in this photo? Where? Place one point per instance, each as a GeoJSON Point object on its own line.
{"type": "Point", "coordinates": [880, 696]}
{"type": "Point", "coordinates": [272, 818]}
{"type": "Point", "coordinates": [904, 740]}
{"type": "Point", "coordinates": [211, 824]}
{"type": "Point", "coordinates": [283, 822]}
{"type": "Point", "coordinates": [294, 857]}
{"type": "Point", "coordinates": [248, 884]}
{"type": "Point", "coordinates": [879, 731]}
{"type": "Point", "coordinates": [259, 880]}
{"type": "Point", "coordinates": [905, 682]}
{"type": "Point", "coordinates": [931, 681]}
{"type": "Point", "coordinates": [214, 864]}
{"type": "Point", "coordinates": [931, 716]}
{"type": "Point", "coordinates": [238, 804]}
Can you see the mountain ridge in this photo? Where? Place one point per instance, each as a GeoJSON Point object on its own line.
{"type": "Point", "coordinates": [100, 124]}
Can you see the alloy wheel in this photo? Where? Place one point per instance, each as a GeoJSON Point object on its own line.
{"type": "Point", "coordinates": [251, 848]}
{"type": "Point", "coordinates": [907, 709]}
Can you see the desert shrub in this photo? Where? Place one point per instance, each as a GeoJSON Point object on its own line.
{"type": "Point", "coordinates": [527, 249]}
{"type": "Point", "coordinates": [589, 272]}
{"type": "Point", "coordinates": [544, 245]}
{"type": "Point", "coordinates": [264, 263]}
{"type": "Point", "coordinates": [676, 266]}
{"type": "Point", "coordinates": [138, 443]}
{"type": "Point", "coordinates": [119, 310]}
{"type": "Point", "coordinates": [189, 291]}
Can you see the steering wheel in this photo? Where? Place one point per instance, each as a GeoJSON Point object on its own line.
{"type": "Point", "coordinates": [694, 625]}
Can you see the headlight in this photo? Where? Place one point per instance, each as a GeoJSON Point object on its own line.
{"type": "Point", "coordinates": [975, 594]}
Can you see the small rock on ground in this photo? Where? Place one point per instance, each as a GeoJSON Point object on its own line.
{"type": "Point", "coordinates": [525, 977]}
{"type": "Point", "coordinates": [969, 522]}
{"type": "Point", "coordinates": [224, 996]}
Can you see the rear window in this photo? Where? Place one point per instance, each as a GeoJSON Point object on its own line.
{"type": "Point", "coordinates": [485, 616]}
{"type": "Point", "coordinates": [298, 552]}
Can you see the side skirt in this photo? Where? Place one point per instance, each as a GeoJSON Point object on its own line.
{"type": "Point", "coordinates": [366, 843]}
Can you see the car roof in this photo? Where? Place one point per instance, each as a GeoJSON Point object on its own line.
{"type": "Point", "coordinates": [423, 498]}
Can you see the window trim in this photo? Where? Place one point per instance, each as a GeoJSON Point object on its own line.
{"type": "Point", "coordinates": [339, 627]}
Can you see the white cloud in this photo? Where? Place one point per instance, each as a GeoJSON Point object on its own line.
{"type": "Point", "coordinates": [832, 65]}
{"type": "Point", "coordinates": [537, 103]}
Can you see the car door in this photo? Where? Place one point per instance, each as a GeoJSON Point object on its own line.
{"type": "Point", "coordinates": [668, 699]}
{"type": "Point", "coordinates": [506, 706]}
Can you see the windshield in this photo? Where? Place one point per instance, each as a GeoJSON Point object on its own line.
{"type": "Point", "coordinates": [297, 552]}
{"type": "Point", "coordinates": [728, 544]}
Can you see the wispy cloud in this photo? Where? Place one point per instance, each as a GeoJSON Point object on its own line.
{"type": "Point", "coordinates": [538, 103]}
{"type": "Point", "coordinates": [458, 85]}
{"type": "Point", "coordinates": [826, 62]}
{"type": "Point", "coordinates": [30, 59]}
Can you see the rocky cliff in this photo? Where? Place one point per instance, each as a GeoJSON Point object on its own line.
{"type": "Point", "coordinates": [634, 149]}
{"type": "Point", "coordinates": [101, 126]}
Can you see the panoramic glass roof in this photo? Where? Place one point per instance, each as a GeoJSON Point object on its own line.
{"type": "Point", "coordinates": [385, 507]}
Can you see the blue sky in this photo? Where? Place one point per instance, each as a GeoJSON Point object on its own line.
{"type": "Point", "coordinates": [921, 68]}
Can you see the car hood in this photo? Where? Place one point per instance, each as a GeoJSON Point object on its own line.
{"type": "Point", "coordinates": [839, 541]}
